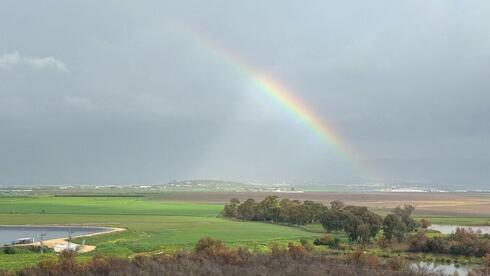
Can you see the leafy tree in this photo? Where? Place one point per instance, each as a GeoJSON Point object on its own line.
{"type": "Point", "coordinates": [405, 212]}
{"type": "Point", "coordinates": [393, 227]}
{"type": "Point", "coordinates": [230, 210]}
{"type": "Point", "coordinates": [314, 210]}
{"type": "Point", "coordinates": [332, 220]}
{"type": "Point", "coordinates": [372, 221]}
{"type": "Point", "coordinates": [235, 201]}
{"type": "Point", "coordinates": [351, 225]}
{"type": "Point", "coordinates": [364, 232]}
{"type": "Point", "coordinates": [246, 210]}
{"type": "Point", "coordinates": [337, 205]}
{"type": "Point", "coordinates": [375, 223]}
{"type": "Point", "coordinates": [267, 209]}
{"type": "Point", "coordinates": [293, 211]}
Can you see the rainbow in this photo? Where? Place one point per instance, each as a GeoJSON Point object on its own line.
{"type": "Point", "coordinates": [282, 96]}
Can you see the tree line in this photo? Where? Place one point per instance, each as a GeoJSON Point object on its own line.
{"type": "Point", "coordinates": [462, 242]}
{"type": "Point", "coordinates": [358, 222]}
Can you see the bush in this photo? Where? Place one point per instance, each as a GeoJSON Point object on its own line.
{"type": "Point", "coordinates": [306, 244]}
{"type": "Point", "coordinates": [486, 259]}
{"type": "Point", "coordinates": [424, 223]}
{"type": "Point", "coordinates": [275, 249]}
{"type": "Point", "coordinates": [417, 242]}
{"type": "Point", "coordinates": [208, 244]}
{"type": "Point", "coordinates": [360, 258]}
{"type": "Point", "coordinates": [296, 250]}
{"type": "Point", "coordinates": [327, 240]}
{"type": "Point", "coordinates": [212, 257]}
{"type": "Point", "coordinates": [383, 242]}
{"type": "Point", "coordinates": [396, 263]}
{"type": "Point", "coordinates": [371, 261]}
{"type": "Point", "coordinates": [9, 250]}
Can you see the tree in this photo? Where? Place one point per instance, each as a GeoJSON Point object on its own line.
{"type": "Point", "coordinates": [351, 225]}
{"type": "Point", "coordinates": [332, 220]}
{"type": "Point", "coordinates": [364, 232]}
{"type": "Point", "coordinates": [293, 212]}
{"type": "Point", "coordinates": [372, 221]}
{"type": "Point", "coordinates": [405, 212]}
{"type": "Point", "coordinates": [393, 227]}
{"type": "Point", "coordinates": [314, 210]}
{"type": "Point", "coordinates": [267, 209]}
{"type": "Point", "coordinates": [375, 223]}
{"type": "Point", "coordinates": [246, 210]}
{"type": "Point", "coordinates": [337, 205]}
{"type": "Point", "coordinates": [230, 210]}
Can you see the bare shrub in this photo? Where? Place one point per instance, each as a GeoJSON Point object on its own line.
{"type": "Point", "coordinates": [396, 263]}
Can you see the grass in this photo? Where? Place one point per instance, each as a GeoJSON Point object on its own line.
{"type": "Point", "coordinates": [153, 226]}
{"type": "Point", "coordinates": [465, 221]}
{"type": "Point", "coordinates": [104, 206]}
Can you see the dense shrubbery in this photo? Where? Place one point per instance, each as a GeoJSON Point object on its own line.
{"type": "Point", "coordinates": [462, 242]}
{"type": "Point", "coordinates": [212, 257]}
{"type": "Point", "coordinates": [274, 210]}
{"type": "Point", "coordinates": [328, 240]}
{"type": "Point", "coordinates": [358, 222]}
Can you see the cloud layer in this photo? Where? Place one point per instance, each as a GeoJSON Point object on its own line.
{"type": "Point", "coordinates": [10, 60]}
{"type": "Point", "coordinates": [404, 83]}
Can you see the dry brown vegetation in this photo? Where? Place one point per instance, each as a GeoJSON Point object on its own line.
{"type": "Point", "coordinates": [212, 257]}
{"type": "Point", "coordinates": [474, 204]}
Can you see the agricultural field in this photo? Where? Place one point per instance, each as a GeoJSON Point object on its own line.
{"type": "Point", "coordinates": [474, 205]}
{"type": "Point", "coordinates": [152, 226]}
{"type": "Point", "coordinates": [168, 222]}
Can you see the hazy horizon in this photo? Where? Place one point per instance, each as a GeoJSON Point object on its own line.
{"type": "Point", "coordinates": [118, 92]}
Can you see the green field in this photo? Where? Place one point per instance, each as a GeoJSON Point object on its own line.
{"type": "Point", "coordinates": [153, 226]}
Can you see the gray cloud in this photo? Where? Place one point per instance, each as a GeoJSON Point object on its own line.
{"type": "Point", "coordinates": [9, 60]}
{"type": "Point", "coordinates": [404, 83]}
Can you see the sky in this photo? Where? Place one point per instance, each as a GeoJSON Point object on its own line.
{"type": "Point", "coordinates": [131, 92]}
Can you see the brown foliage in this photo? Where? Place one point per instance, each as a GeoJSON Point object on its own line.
{"type": "Point", "coordinates": [486, 259]}
{"type": "Point", "coordinates": [212, 257]}
{"type": "Point", "coordinates": [296, 250]}
{"type": "Point", "coordinates": [383, 242]}
{"type": "Point", "coordinates": [396, 263]}
{"type": "Point", "coordinates": [425, 223]}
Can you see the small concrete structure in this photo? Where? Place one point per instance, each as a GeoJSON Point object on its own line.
{"type": "Point", "coordinates": [66, 247]}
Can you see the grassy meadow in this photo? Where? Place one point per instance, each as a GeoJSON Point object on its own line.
{"type": "Point", "coordinates": [153, 225]}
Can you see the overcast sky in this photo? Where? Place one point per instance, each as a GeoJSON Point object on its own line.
{"type": "Point", "coordinates": [117, 92]}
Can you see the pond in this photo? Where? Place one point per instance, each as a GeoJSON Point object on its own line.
{"type": "Point", "coordinates": [444, 269]}
{"type": "Point", "coordinates": [8, 234]}
{"type": "Point", "coordinates": [449, 229]}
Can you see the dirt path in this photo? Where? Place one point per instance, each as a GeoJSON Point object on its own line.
{"type": "Point", "coordinates": [83, 248]}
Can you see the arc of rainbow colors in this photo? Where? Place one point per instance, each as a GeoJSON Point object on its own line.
{"type": "Point", "coordinates": [283, 96]}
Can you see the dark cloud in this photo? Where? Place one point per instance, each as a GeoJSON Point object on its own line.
{"type": "Point", "coordinates": [404, 83]}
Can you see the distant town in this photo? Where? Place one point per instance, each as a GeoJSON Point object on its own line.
{"type": "Point", "coordinates": [231, 186]}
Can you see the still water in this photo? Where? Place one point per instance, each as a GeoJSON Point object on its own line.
{"type": "Point", "coordinates": [449, 229]}
{"type": "Point", "coordinates": [448, 269]}
{"type": "Point", "coordinates": [441, 269]}
{"type": "Point", "coordinates": [12, 233]}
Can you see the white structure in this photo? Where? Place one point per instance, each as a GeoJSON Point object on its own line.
{"type": "Point", "coordinates": [24, 241]}
{"type": "Point", "coordinates": [66, 247]}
